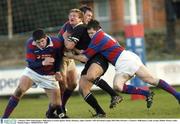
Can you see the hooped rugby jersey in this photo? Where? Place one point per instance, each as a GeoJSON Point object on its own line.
{"type": "Point", "coordinates": [35, 55]}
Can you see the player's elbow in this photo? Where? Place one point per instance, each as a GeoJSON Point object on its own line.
{"type": "Point", "coordinates": [69, 45]}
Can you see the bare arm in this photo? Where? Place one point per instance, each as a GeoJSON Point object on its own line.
{"type": "Point", "coordinates": [79, 57]}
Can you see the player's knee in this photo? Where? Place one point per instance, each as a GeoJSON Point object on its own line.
{"type": "Point", "coordinates": [91, 77]}
{"type": "Point", "coordinates": [72, 86]}
{"type": "Point", "coordinates": [118, 86]}
{"type": "Point", "coordinates": [151, 80]}
{"type": "Point", "coordinates": [19, 92]}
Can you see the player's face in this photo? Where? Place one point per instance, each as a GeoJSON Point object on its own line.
{"type": "Point", "coordinates": [87, 16]}
{"type": "Point", "coordinates": [74, 18]}
{"type": "Point", "coordinates": [91, 32]}
{"type": "Point", "coordinates": [42, 42]}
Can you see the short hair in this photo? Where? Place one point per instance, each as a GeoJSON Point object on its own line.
{"type": "Point", "coordinates": [85, 8]}
{"type": "Point", "coordinates": [80, 13]}
{"type": "Point", "coordinates": [94, 24]}
{"type": "Point", "coordinates": [38, 34]}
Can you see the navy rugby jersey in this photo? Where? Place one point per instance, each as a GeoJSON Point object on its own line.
{"type": "Point", "coordinates": [35, 56]}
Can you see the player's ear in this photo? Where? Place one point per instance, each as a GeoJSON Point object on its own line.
{"type": "Point", "coordinates": [46, 37]}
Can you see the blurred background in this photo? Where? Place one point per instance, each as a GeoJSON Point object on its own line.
{"type": "Point", "coordinates": [160, 18]}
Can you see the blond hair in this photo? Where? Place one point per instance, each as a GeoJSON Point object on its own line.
{"type": "Point", "coordinates": [80, 13]}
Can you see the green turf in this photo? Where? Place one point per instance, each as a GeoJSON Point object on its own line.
{"type": "Point", "coordinates": [164, 106]}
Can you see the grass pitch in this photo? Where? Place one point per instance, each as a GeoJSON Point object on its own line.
{"type": "Point", "coordinates": [164, 106]}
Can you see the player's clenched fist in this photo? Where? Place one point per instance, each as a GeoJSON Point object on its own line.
{"type": "Point", "coordinates": [48, 61]}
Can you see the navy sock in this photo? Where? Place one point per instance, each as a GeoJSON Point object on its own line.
{"type": "Point", "coordinates": [59, 109]}
{"type": "Point", "coordinates": [91, 100]}
{"type": "Point", "coordinates": [65, 97]}
{"type": "Point", "coordinates": [13, 101]}
{"type": "Point", "coordinates": [129, 89]}
{"type": "Point", "coordinates": [165, 86]}
{"type": "Point", "coordinates": [51, 109]}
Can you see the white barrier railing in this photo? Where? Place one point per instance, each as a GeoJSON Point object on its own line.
{"type": "Point", "coordinates": [167, 70]}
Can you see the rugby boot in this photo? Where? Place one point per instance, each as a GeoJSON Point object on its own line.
{"type": "Point", "coordinates": [149, 99]}
{"type": "Point", "coordinates": [115, 100]}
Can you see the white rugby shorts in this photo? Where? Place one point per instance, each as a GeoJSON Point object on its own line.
{"type": "Point", "coordinates": [128, 63]}
{"type": "Point", "coordinates": [42, 81]}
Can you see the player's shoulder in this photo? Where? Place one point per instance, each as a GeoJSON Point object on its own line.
{"type": "Point", "coordinates": [29, 42]}
{"type": "Point", "coordinates": [81, 26]}
{"type": "Point", "coordinates": [67, 23]}
{"type": "Point", "coordinates": [57, 41]}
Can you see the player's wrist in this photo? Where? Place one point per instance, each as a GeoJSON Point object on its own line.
{"type": "Point", "coordinates": [43, 63]}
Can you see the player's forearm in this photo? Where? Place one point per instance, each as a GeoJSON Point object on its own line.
{"type": "Point", "coordinates": [80, 58]}
{"type": "Point", "coordinates": [68, 44]}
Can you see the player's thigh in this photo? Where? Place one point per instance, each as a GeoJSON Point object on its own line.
{"type": "Point", "coordinates": [24, 84]}
{"type": "Point", "coordinates": [119, 80]}
{"type": "Point", "coordinates": [71, 75]}
{"type": "Point", "coordinates": [94, 71]}
{"type": "Point", "coordinates": [144, 74]}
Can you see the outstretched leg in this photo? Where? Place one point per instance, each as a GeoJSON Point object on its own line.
{"type": "Point", "coordinates": [146, 76]}
{"type": "Point", "coordinates": [24, 84]}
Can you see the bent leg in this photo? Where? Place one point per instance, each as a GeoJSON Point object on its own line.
{"type": "Point", "coordinates": [94, 72]}
{"type": "Point", "coordinates": [84, 88]}
{"type": "Point", "coordinates": [71, 78]}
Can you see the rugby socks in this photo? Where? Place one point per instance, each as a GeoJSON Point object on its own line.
{"type": "Point", "coordinates": [67, 93]}
{"type": "Point", "coordinates": [165, 86]}
{"type": "Point", "coordinates": [91, 100]}
{"type": "Point", "coordinates": [59, 109]}
{"type": "Point", "coordinates": [50, 113]}
{"type": "Point", "coordinates": [104, 86]}
{"type": "Point", "coordinates": [129, 89]}
{"type": "Point", "coordinates": [13, 101]}
{"type": "Point", "coordinates": [51, 109]}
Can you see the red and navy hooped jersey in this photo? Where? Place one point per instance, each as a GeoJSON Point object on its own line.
{"type": "Point", "coordinates": [66, 27]}
{"type": "Point", "coordinates": [35, 55]}
{"type": "Point", "coordinates": [104, 44]}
